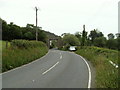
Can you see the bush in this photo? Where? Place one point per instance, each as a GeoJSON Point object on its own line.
{"type": "Point", "coordinates": [70, 39]}
{"type": "Point", "coordinates": [26, 44]}
{"type": "Point", "coordinates": [66, 47]}
{"type": "Point", "coordinates": [22, 52]}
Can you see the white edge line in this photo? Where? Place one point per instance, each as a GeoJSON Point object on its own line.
{"type": "Point", "coordinates": [50, 68]}
{"type": "Point", "coordinates": [89, 82]}
{"type": "Point", "coordinates": [25, 64]}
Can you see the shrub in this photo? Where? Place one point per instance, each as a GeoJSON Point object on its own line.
{"type": "Point", "coordinates": [22, 52]}
{"type": "Point", "coordinates": [26, 44]}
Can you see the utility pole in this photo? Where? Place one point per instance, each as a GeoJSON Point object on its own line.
{"type": "Point", "coordinates": [36, 9]}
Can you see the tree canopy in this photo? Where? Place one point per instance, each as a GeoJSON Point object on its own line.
{"type": "Point", "coordinates": [70, 39]}
{"type": "Point", "coordinates": [94, 34]}
{"type": "Point", "coordinates": [12, 31]}
{"type": "Point", "coordinates": [111, 36]}
{"type": "Point", "coordinates": [100, 41]}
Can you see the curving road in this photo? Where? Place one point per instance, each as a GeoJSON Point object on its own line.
{"type": "Point", "coordinates": [57, 69]}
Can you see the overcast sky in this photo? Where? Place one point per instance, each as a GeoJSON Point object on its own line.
{"type": "Point", "coordinates": [63, 16]}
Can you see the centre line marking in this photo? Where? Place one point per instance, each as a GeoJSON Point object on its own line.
{"type": "Point", "coordinates": [50, 68]}
{"type": "Point", "coordinates": [61, 57]}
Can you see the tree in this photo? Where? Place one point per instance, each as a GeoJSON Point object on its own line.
{"type": "Point", "coordinates": [10, 31]}
{"type": "Point", "coordinates": [118, 43]}
{"type": "Point", "coordinates": [78, 35]}
{"type": "Point", "coordinates": [64, 34]}
{"type": "Point", "coordinates": [112, 43]}
{"type": "Point", "coordinates": [5, 31]}
{"type": "Point", "coordinates": [29, 33]}
{"type": "Point", "coordinates": [117, 35]}
{"type": "Point", "coordinates": [28, 36]}
{"type": "Point", "coordinates": [14, 31]}
{"type": "Point", "coordinates": [70, 39]}
{"type": "Point", "coordinates": [84, 36]}
{"type": "Point", "coordinates": [30, 25]}
{"type": "Point", "coordinates": [89, 43]}
{"type": "Point", "coordinates": [110, 36]}
{"type": "Point", "coordinates": [100, 41]}
{"type": "Point", "coordinates": [53, 44]}
{"type": "Point", "coordinates": [94, 34]}
{"type": "Point", "coordinates": [42, 36]}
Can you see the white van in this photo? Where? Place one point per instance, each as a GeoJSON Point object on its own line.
{"type": "Point", "coordinates": [72, 48]}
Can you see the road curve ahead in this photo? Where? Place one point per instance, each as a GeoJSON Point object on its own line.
{"type": "Point", "coordinates": [58, 69]}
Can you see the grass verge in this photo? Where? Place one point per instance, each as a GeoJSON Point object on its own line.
{"type": "Point", "coordinates": [15, 57]}
{"type": "Point", "coordinates": [106, 74]}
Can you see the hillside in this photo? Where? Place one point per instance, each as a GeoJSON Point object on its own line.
{"type": "Point", "coordinates": [50, 35]}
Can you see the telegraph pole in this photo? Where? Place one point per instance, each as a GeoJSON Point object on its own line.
{"type": "Point", "coordinates": [36, 9]}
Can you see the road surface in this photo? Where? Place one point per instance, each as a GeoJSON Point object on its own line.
{"type": "Point", "coordinates": [57, 69]}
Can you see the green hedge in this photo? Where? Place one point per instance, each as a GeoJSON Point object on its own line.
{"type": "Point", "coordinates": [26, 44]}
{"type": "Point", "coordinates": [22, 52]}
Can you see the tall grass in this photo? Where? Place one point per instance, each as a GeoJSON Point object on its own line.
{"type": "Point", "coordinates": [3, 45]}
{"type": "Point", "coordinates": [0, 45]}
{"type": "Point", "coordinates": [16, 55]}
{"type": "Point", "coordinates": [106, 74]}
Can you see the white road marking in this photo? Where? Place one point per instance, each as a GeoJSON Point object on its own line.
{"type": "Point", "coordinates": [50, 68]}
{"type": "Point", "coordinates": [61, 57]}
{"type": "Point", "coordinates": [33, 80]}
{"type": "Point", "coordinates": [89, 82]}
{"type": "Point", "coordinates": [116, 66]}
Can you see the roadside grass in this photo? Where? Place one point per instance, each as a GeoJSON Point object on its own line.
{"type": "Point", "coordinates": [13, 57]}
{"type": "Point", "coordinates": [0, 45]}
{"type": "Point", "coordinates": [3, 45]}
{"type": "Point", "coordinates": [106, 74]}
{"type": "Point", "coordinates": [2, 48]}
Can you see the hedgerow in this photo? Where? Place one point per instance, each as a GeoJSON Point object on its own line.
{"type": "Point", "coordinates": [26, 44]}
{"type": "Point", "coordinates": [22, 52]}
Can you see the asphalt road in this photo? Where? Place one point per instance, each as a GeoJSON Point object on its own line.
{"type": "Point", "coordinates": [57, 69]}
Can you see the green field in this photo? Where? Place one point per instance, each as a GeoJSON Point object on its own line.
{"type": "Point", "coordinates": [106, 74]}
{"type": "Point", "coordinates": [15, 56]}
